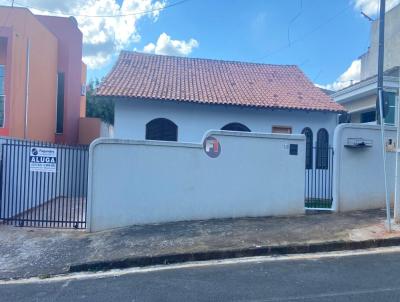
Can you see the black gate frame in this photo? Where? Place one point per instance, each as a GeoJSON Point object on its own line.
{"type": "Point", "coordinates": [319, 179]}
{"type": "Point", "coordinates": [40, 199]}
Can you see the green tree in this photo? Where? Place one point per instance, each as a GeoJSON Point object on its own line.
{"type": "Point", "coordinates": [98, 107]}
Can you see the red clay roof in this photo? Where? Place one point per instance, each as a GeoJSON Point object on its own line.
{"type": "Point", "coordinates": [145, 76]}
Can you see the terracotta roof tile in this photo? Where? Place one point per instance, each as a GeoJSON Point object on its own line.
{"type": "Point", "coordinates": [139, 75]}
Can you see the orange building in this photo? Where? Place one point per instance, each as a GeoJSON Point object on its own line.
{"type": "Point", "coordinates": [42, 77]}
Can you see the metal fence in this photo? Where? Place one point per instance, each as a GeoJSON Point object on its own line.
{"type": "Point", "coordinates": [43, 185]}
{"type": "Point", "coordinates": [319, 178]}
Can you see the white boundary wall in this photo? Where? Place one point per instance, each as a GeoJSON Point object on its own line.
{"type": "Point", "coordinates": [358, 172]}
{"type": "Point", "coordinates": [140, 182]}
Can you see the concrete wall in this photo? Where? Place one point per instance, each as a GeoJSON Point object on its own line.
{"type": "Point", "coordinates": [193, 120]}
{"type": "Point", "coordinates": [358, 172]}
{"type": "Point", "coordinates": [364, 104]}
{"type": "Point", "coordinates": [139, 182]}
{"type": "Point", "coordinates": [106, 130]}
{"type": "Point", "coordinates": [91, 128]}
{"type": "Point", "coordinates": [369, 60]}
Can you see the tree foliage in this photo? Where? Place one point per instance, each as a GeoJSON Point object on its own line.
{"type": "Point", "coordinates": [98, 107]}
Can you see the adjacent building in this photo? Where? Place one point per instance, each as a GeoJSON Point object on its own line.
{"type": "Point", "coordinates": [360, 98]}
{"type": "Point", "coordinates": [180, 99]}
{"type": "Point", "coordinates": [42, 77]}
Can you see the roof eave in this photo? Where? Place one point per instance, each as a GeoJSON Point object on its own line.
{"type": "Point", "coordinates": [200, 102]}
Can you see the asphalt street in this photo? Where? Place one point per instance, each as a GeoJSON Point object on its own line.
{"type": "Point", "coordinates": [371, 277]}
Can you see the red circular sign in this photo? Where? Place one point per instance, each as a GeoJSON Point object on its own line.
{"type": "Point", "coordinates": [212, 147]}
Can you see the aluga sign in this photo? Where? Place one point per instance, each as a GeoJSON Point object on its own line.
{"type": "Point", "coordinates": [43, 160]}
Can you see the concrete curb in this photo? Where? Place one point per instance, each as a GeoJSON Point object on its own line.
{"type": "Point", "coordinates": [143, 261]}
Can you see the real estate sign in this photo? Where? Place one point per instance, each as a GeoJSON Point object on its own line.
{"type": "Point", "coordinates": [212, 147]}
{"type": "Point", "coordinates": [43, 160]}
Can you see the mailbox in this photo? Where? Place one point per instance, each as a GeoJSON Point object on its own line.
{"type": "Point", "coordinates": [358, 143]}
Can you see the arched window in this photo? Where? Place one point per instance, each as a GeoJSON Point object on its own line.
{"type": "Point", "coordinates": [322, 158]}
{"type": "Point", "coordinates": [162, 129]}
{"type": "Point", "coordinates": [236, 127]}
{"type": "Point", "coordinates": [309, 147]}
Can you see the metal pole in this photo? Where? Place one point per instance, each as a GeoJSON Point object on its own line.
{"type": "Point", "coordinates": [380, 96]}
{"type": "Point", "coordinates": [388, 226]}
{"type": "Point", "coordinates": [396, 176]}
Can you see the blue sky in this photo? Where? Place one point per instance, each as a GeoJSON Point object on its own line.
{"type": "Point", "coordinates": [323, 37]}
{"type": "Point", "coordinates": [323, 40]}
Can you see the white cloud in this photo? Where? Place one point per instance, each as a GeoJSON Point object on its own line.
{"type": "Point", "coordinates": [349, 77]}
{"type": "Point", "coordinates": [371, 7]}
{"type": "Point", "coordinates": [166, 46]}
{"type": "Point", "coordinates": [102, 37]}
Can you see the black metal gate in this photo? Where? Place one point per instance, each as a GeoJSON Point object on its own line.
{"type": "Point", "coordinates": [319, 178]}
{"type": "Point", "coordinates": [43, 185]}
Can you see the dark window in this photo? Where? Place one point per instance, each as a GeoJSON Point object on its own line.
{"type": "Point", "coordinates": [236, 127]}
{"type": "Point", "coordinates": [344, 118]}
{"type": "Point", "coordinates": [367, 117]}
{"type": "Point", "coordinates": [391, 104]}
{"type": "Point", "coordinates": [60, 103]}
{"type": "Point", "coordinates": [322, 160]}
{"type": "Point", "coordinates": [282, 129]}
{"type": "Point", "coordinates": [2, 94]}
{"type": "Point", "coordinates": [309, 147]}
{"type": "Point", "coordinates": [161, 129]}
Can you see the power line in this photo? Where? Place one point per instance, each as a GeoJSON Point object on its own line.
{"type": "Point", "coordinates": [318, 27]}
{"type": "Point", "coordinates": [294, 19]}
{"type": "Point", "coordinates": [103, 16]}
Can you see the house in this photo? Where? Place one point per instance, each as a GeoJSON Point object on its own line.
{"type": "Point", "coordinates": [369, 60]}
{"type": "Point", "coordinates": [179, 99]}
{"type": "Point", "coordinates": [360, 98]}
{"type": "Point", "coordinates": [42, 76]}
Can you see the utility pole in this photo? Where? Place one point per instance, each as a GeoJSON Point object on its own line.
{"type": "Point", "coordinates": [396, 173]}
{"type": "Point", "coordinates": [381, 103]}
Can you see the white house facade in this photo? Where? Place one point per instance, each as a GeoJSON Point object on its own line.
{"type": "Point", "coordinates": [194, 120]}
{"type": "Point", "coordinates": [164, 98]}
{"type": "Point", "coordinates": [180, 99]}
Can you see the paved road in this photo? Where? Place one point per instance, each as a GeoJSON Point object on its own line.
{"type": "Point", "coordinates": [353, 278]}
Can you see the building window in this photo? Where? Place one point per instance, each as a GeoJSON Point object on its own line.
{"type": "Point", "coordinates": [344, 118]}
{"type": "Point", "coordinates": [236, 127]}
{"type": "Point", "coordinates": [282, 129]}
{"type": "Point", "coordinates": [309, 147]}
{"type": "Point", "coordinates": [60, 103]}
{"type": "Point", "coordinates": [161, 129]}
{"type": "Point", "coordinates": [322, 157]}
{"type": "Point", "coordinates": [391, 107]}
{"type": "Point", "coordinates": [367, 117]}
{"type": "Point", "coordinates": [2, 94]}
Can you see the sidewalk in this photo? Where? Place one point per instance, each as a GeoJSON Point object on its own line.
{"type": "Point", "coordinates": [42, 252]}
